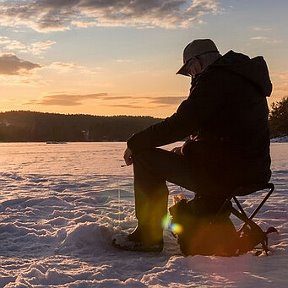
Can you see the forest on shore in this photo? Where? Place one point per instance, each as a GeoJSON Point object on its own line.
{"type": "Point", "coordinates": [27, 126]}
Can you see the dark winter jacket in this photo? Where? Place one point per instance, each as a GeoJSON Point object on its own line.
{"type": "Point", "coordinates": [226, 116]}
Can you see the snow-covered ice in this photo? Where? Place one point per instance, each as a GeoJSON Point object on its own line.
{"type": "Point", "coordinates": [61, 204]}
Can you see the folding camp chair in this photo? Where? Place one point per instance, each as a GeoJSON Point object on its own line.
{"type": "Point", "coordinates": [215, 234]}
{"type": "Point", "coordinates": [239, 212]}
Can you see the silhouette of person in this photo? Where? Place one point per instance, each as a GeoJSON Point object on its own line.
{"type": "Point", "coordinates": [224, 122]}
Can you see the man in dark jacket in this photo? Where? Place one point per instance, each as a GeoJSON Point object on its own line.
{"type": "Point", "coordinates": [225, 123]}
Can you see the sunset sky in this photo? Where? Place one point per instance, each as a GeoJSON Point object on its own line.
{"type": "Point", "coordinates": [120, 57]}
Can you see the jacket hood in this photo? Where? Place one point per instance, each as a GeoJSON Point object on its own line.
{"type": "Point", "coordinates": [254, 70]}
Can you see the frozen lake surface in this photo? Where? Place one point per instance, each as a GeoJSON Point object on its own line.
{"type": "Point", "coordinates": [60, 205]}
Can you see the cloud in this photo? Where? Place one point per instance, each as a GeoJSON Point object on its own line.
{"type": "Point", "coordinates": [174, 100]}
{"type": "Point", "coordinates": [59, 15]}
{"type": "Point", "coordinates": [10, 64]}
{"type": "Point", "coordinates": [151, 102]}
{"type": "Point", "coordinates": [265, 35]}
{"type": "Point", "coordinates": [68, 99]}
{"type": "Point", "coordinates": [262, 29]}
{"type": "Point", "coordinates": [265, 39]}
{"type": "Point", "coordinates": [123, 61]}
{"type": "Point", "coordinates": [35, 48]}
{"type": "Point", "coordinates": [11, 45]}
{"type": "Point", "coordinates": [65, 67]}
{"type": "Point", "coordinates": [39, 47]}
{"type": "Point", "coordinates": [260, 38]}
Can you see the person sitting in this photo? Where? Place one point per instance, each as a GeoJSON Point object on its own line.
{"type": "Point", "coordinates": [224, 122]}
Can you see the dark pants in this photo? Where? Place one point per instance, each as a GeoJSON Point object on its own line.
{"type": "Point", "coordinates": [152, 168]}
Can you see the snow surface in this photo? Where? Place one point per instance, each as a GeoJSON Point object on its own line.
{"type": "Point", "coordinates": [61, 204]}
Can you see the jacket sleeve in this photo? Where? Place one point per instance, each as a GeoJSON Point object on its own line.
{"type": "Point", "coordinates": [193, 114]}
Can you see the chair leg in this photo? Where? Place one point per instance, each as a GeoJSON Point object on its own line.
{"type": "Point", "coordinates": [263, 201]}
{"type": "Point", "coordinates": [248, 220]}
{"type": "Point", "coordinates": [245, 218]}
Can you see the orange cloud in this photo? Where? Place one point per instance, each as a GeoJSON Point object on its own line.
{"type": "Point", "coordinates": [10, 64]}
{"type": "Point", "coordinates": [67, 99]}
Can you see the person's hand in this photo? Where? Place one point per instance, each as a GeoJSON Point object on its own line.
{"type": "Point", "coordinates": [128, 157]}
{"type": "Point", "coordinates": [177, 150]}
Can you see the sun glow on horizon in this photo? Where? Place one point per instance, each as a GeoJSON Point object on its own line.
{"type": "Point", "coordinates": [99, 63]}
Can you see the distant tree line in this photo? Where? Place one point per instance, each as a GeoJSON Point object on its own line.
{"type": "Point", "coordinates": [27, 126]}
{"type": "Point", "coordinates": [279, 118]}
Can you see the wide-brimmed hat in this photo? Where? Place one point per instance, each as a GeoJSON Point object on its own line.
{"type": "Point", "coordinates": [197, 47]}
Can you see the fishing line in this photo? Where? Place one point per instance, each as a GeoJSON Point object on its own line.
{"type": "Point", "coordinates": [119, 200]}
{"type": "Point", "coordinates": [119, 204]}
